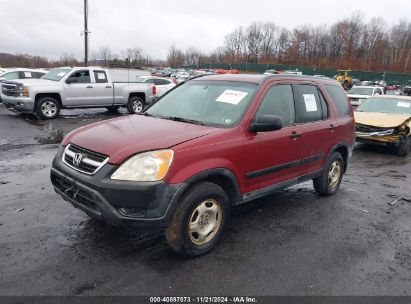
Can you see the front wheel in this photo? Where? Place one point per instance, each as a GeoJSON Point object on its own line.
{"type": "Point", "coordinates": [135, 105]}
{"type": "Point", "coordinates": [198, 221]}
{"type": "Point", "coordinates": [47, 108]}
{"type": "Point", "coordinates": [329, 181]}
{"type": "Point", "coordinates": [404, 147]}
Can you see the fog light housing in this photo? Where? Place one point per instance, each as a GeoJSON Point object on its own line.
{"type": "Point", "coordinates": [131, 212]}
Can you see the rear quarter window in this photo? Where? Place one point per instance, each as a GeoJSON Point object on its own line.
{"type": "Point", "coordinates": [339, 98]}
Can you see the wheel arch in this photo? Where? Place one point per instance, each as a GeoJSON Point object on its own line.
{"type": "Point", "coordinates": [343, 149]}
{"type": "Point", "coordinates": [137, 94]}
{"type": "Point", "coordinates": [56, 96]}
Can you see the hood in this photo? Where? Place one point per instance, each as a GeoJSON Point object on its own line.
{"type": "Point", "coordinates": [357, 96]}
{"type": "Point", "coordinates": [34, 81]}
{"type": "Point", "coordinates": [120, 138]}
{"type": "Point", "coordinates": [381, 120]}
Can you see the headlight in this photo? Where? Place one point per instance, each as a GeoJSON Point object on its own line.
{"type": "Point", "coordinates": [145, 167]}
{"type": "Point", "coordinates": [25, 92]}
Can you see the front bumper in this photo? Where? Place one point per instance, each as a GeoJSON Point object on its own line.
{"type": "Point", "coordinates": [143, 205]}
{"type": "Point", "coordinates": [384, 140]}
{"type": "Point", "coordinates": [18, 104]}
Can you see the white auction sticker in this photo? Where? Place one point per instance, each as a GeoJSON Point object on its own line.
{"type": "Point", "coordinates": [61, 74]}
{"type": "Point", "coordinates": [403, 104]}
{"type": "Point", "coordinates": [101, 76]}
{"type": "Point", "coordinates": [310, 103]}
{"type": "Point", "coordinates": [27, 74]}
{"type": "Point", "coordinates": [231, 96]}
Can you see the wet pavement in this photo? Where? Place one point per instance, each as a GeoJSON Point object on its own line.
{"type": "Point", "coordinates": [290, 243]}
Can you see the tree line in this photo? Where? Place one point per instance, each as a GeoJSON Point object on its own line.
{"type": "Point", "coordinates": [349, 43]}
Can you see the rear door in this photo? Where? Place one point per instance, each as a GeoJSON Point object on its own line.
{"type": "Point", "coordinates": [315, 125]}
{"type": "Point", "coordinates": [274, 156]}
{"type": "Point", "coordinates": [103, 90]}
{"type": "Point", "coordinates": [81, 91]}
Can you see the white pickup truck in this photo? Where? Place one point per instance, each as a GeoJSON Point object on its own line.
{"type": "Point", "coordinates": [80, 87]}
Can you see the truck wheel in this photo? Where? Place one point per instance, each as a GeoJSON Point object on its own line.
{"type": "Point", "coordinates": [329, 181]}
{"type": "Point", "coordinates": [403, 149]}
{"type": "Point", "coordinates": [198, 221]}
{"type": "Point", "coordinates": [135, 105]}
{"type": "Point", "coordinates": [47, 108]}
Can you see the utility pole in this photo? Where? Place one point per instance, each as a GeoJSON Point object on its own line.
{"type": "Point", "coordinates": [85, 33]}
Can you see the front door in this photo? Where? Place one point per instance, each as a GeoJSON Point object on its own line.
{"type": "Point", "coordinates": [276, 155]}
{"type": "Point", "coordinates": [80, 92]}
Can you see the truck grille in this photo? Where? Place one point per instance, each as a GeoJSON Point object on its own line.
{"type": "Point", "coordinates": [83, 160]}
{"type": "Point", "coordinates": [10, 89]}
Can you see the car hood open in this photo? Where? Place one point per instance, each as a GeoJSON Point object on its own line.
{"type": "Point", "coordinates": [381, 120]}
{"type": "Point", "coordinates": [123, 137]}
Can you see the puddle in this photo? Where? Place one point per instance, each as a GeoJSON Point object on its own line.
{"type": "Point", "coordinates": [52, 135]}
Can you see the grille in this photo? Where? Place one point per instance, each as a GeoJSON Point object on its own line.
{"type": "Point", "coordinates": [10, 89]}
{"type": "Point", "coordinates": [369, 129]}
{"type": "Point", "coordinates": [80, 196]}
{"type": "Point", "coordinates": [83, 160]}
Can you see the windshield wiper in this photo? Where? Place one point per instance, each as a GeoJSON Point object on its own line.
{"type": "Point", "coordinates": [191, 121]}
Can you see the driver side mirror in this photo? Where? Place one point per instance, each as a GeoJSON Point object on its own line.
{"type": "Point", "coordinates": [71, 80]}
{"type": "Point", "coordinates": [266, 123]}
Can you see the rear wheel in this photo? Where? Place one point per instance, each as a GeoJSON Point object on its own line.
{"type": "Point", "coordinates": [329, 181]}
{"type": "Point", "coordinates": [47, 108]}
{"type": "Point", "coordinates": [198, 222]}
{"type": "Point", "coordinates": [135, 105]}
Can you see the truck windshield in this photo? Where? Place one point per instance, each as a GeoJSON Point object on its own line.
{"type": "Point", "coordinates": [216, 103]}
{"type": "Point", "coordinates": [56, 74]}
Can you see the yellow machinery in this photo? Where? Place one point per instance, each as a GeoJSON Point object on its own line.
{"type": "Point", "coordinates": [344, 78]}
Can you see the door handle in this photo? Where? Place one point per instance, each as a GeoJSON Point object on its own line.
{"type": "Point", "coordinates": [332, 128]}
{"type": "Point", "coordinates": [89, 87]}
{"type": "Point", "coordinates": [294, 135]}
{"type": "Point", "coordinates": [108, 87]}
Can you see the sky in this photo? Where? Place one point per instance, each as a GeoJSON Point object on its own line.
{"type": "Point", "coordinates": [52, 28]}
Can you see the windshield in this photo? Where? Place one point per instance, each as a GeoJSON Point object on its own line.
{"type": "Point", "coordinates": [56, 74]}
{"type": "Point", "coordinates": [216, 103]}
{"type": "Point", "coordinates": [386, 105]}
{"type": "Point", "coordinates": [360, 91]}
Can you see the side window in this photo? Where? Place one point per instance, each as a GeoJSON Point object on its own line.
{"type": "Point", "coordinates": [25, 75]}
{"type": "Point", "coordinates": [339, 98]}
{"type": "Point", "coordinates": [150, 80]}
{"type": "Point", "coordinates": [279, 100]}
{"type": "Point", "coordinates": [311, 105]}
{"type": "Point", "coordinates": [38, 74]}
{"type": "Point", "coordinates": [161, 82]}
{"type": "Point", "coordinates": [81, 76]}
{"type": "Point", "coordinates": [100, 76]}
{"type": "Point", "coordinates": [11, 75]}
{"type": "Point", "coordinates": [324, 107]}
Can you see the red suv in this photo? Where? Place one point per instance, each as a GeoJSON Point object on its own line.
{"type": "Point", "coordinates": [208, 145]}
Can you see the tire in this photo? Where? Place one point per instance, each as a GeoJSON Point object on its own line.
{"type": "Point", "coordinates": [329, 182]}
{"type": "Point", "coordinates": [206, 207]}
{"type": "Point", "coordinates": [47, 108]}
{"type": "Point", "coordinates": [112, 109]}
{"type": "Point", "coordinates": [135, 105]}
{"type": "Point", "coordinates": [404, 148]}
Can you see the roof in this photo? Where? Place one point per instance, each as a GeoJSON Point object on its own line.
{"type": "Point", "coordinates": [260, 78]}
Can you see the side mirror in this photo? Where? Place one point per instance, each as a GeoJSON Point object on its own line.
{"type": "Point", "coordinates": [266, 123]}
{"type": "Point", "coordinates": [71, 80]}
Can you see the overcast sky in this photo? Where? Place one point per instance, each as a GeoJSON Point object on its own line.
{"type": "Point", "coordinates": [52, 27]}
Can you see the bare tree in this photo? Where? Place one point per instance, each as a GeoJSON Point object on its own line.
{"type": "Point", "coordinates": [105, 54]}
{"type": "Point", "coordinates": [175, 57]}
